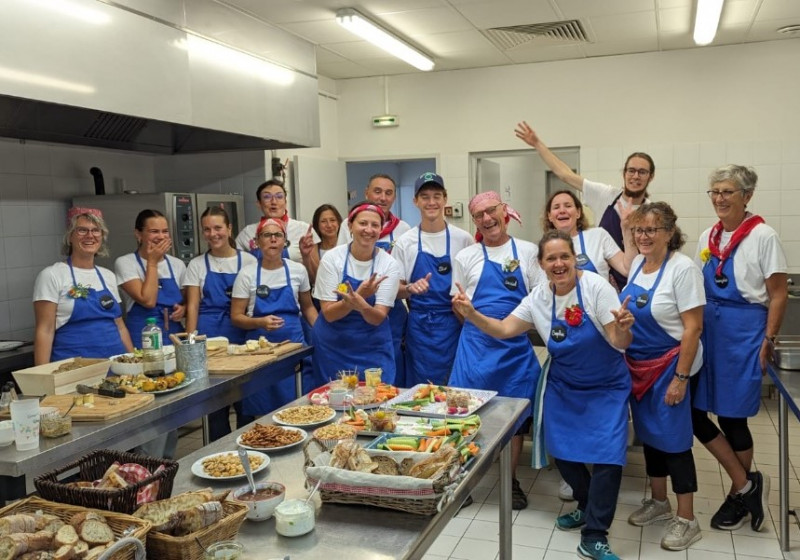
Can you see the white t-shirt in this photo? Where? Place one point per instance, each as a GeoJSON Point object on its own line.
{"type": "Point", "coordinates": [331, 267]}
{"type": "Point", "coordinates": [245, 284]}
{"type": "Point", "coordinates": [295, 229]}
{"type": "Point", "coordinates": [759, 256]}
{"type": "Point", "coordinates": [405, 249]}
{"type": "Point", "coordinates": [599, 196]}
{"type": "Point", "coordinates": [599, 246]}
{"type": "Point", "coordinates": [54, 282]}
{"type": "Point", "coordinates": [599, 298]}
{"type": "Point", "coordinates": [127, 268]}
{"type": "Point", "coordinates": [468, 264]}
{"type": "Point", "coordinates": [196, 271]}
{"type": "Point", "coordinates": [680, 289]}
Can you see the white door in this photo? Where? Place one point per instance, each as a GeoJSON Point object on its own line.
{"type": "Point", "coordinates": [315, 182]}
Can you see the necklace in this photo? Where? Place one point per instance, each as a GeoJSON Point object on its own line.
{"type": "Point", "coordinates": [650, 268]}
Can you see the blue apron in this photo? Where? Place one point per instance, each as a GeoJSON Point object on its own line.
{"type": "Point", "coordinates": [582, 260]}
{"type": "Point", "coordinates": [433, 328]}
{"type": "Point", "coordinates": [665, 427]}
{"type": "Point", "coordinates": [351, 342]}
{"type": "Point", "coordinates": [398, 318]}
{"type": "Point", "coordinates": [611, 223]}
{"type": "Point", "coordinates": [169, 293]}
{"type": "Point", "coordinates": [586, 400]}
{"type": "Point", "coordinates": [484, 362]}
{"type": "Point", "coordinates": [90, 331]}
{"type": "Point", "coordinates": [733, 331]}
{"type": "Point", "coordinates": [214, 317]}
{"type": "Point", "coordinates": [282, 303]}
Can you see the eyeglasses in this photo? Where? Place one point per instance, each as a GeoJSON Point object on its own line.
{"type": "Point", "coordinates": [725, 195]}
{"type": "Point", "coordinates": [269, 196]}
{"type": "Point", "coordinates": [639, 172]}
{"type": "Point", "coordinates": [270, 234]}
{"type": "Point", "coordinates": [84, 231]}
{"type": "Point", "coordinates": [488, 211]}
{"type": "Point", "coordinates": [647, 232]}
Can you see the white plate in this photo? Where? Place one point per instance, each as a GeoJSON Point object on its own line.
{"type": "Point", "coordinates": [302, 433]}
{"type": "Point", "coordinates": [6, 345]}
{"type": "Point", "coordinates": [198, 470]}
{"type": "Point", "coordinates": [478, 398]}
{"type": "Point", "coordinates": [277, 420]}
{"type": "Point", "coordinates": [178, 387]}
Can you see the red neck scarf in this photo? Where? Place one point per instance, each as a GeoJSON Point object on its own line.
{"type": "Point", "coordinates": [391, 222]}
{"type": "Point", "coordinates": [739, 234]}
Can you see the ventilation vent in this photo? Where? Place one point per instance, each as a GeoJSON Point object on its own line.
{"type": "Point", "coordinates": [115, 128]}
{"type": "Point", "coordinates": [562, 32]}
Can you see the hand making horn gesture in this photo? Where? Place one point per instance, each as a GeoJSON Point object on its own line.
{"type": "Point", "coordinates": [369, 287]}
{"type": "Point", "coordinates": [622, 317]}
{"type": "Point", "coordinates": [419, 287]}
{"type": "Point", "coordinates": [461, 302]}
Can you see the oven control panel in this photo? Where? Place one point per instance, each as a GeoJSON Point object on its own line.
{"type": "Point", "coordinates": [184, 238]}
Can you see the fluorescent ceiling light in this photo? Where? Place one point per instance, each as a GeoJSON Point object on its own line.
{"type": "Point", "coordinates": [11, 75]}
{"type": "Point", "coordinates": [356, 23]}
{"type": "Point", "coordinates": [706, 20]}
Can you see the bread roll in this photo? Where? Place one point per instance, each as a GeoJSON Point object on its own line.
{"type": "Point", "coordinates": [96, 532]}
{"type": "Point", "coordinates": [66, 535]}
{"type": "Point", "coordinates": [198, 517]}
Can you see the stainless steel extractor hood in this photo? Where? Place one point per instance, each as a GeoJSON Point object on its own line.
{"type": "Point", "coordinates": [105, 75]}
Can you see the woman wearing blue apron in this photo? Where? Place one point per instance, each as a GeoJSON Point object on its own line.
{"type": "Point", "coordinates": [76, 304]}
{"type": "Point", "coordinates": [744, 271]}
{"type": "Point", "coordinates": [497, 273]}
{"type": "Point", "coordinates": [209, 284]}
{"type": "Point", "coordinates": [356, 286]}
{"type": "Point", "coordinates": [596, 249]}
{"type": "Point", "coordinates": [666, 291]}
{"type": "Point", "coordinates": [587, 389]}
{"type": "Point", "coordinates": [268, 297]}
{"type": "Point", "coordinates": [152, 279]}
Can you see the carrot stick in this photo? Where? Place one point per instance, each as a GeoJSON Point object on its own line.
{"type": "Point", "coordinates": [423, 443]}
{"type": "Point", "coordinates": [398, 447]}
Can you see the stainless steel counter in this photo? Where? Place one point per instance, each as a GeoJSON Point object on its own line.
{"type": "Point", "coordinates": [168, 412]}
{"type": "Point", "coordinates": [364, 532]}
{"type": "Point", "coordinates": [788, 384]}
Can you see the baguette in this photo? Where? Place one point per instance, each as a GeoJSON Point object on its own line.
{"type": "Point", "coordinates": [65, 552]}
{"type": "Point", "coordinates": [161, 513]}
{"type": "Point", "coordinates": [37, 555]}
{"type": "Point", "coordinates": [16, 544]}
{"type": "Point", "coordinates": [96, 532]}
{"type": "Point", "coordinates": [17, 523]}
{"type": "Point", "coordinates": [66, 535]}
{"type": "Point", "coordinates": [95, 553]}
{"type": "Point", "coordinates": [44, 520]}
{"type": "Point", "coordinates": [81, 549]}
{"type": "Point", "coordinates": [78, 519]}
{"type": "Point", "coordinates": [198, 517]}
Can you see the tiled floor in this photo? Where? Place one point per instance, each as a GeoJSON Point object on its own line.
{"type": "Point", "coordinates": [472, 535]}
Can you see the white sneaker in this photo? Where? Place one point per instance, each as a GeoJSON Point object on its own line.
{"type": "Point", "coordinates": [681, 534]}
{"type": "Point", "coordinates": [650, 512]}
{"type": "Point", "coordinates": [565, 491]}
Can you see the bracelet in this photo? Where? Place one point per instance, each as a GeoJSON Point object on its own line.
{"type": "Point", "coordinates": [682, 377]}
{"type": "Point", "coordinates": [771, 338]}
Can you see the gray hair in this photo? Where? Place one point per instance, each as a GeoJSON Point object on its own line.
{"type": "Point", "coordinates": [66, 245]}
{"type": "Point", "coordinates": [744, 178]}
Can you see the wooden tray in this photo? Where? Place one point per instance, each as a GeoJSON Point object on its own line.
{"type": "Point", "coordinates": [224, 364]}
{"type": "Point", "coordinates": [105, 408]}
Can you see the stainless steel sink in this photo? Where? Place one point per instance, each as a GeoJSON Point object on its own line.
{"type": "Point", "coordinates": [786, 354]}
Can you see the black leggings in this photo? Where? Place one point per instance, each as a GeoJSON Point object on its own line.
{"type": "Point", "coordinates": [735, 430]}
{"type": "Point", "coordinates": [678, 466]}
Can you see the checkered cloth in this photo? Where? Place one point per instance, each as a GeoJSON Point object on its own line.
{"type": "Point", "coordinates": [134, 473]}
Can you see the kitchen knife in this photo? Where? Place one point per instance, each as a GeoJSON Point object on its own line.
{"type": "Point", "coordinates": [116, 393]}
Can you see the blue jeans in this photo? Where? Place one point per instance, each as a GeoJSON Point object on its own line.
{"type": "Point", "coordinates": [596, 494]}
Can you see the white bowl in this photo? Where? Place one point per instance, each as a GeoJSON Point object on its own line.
{"type": "Point", "coordinates": [6, 433]}
{"type": "Point", "coordinates": [260, 509]}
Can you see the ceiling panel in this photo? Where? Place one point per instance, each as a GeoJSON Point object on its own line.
{"type": "Point", "coordinates": [416, 23]}
{"type": "Point", "coordinates": [593, 8]}
{"type": "Point", "coordinates": [484, 15]}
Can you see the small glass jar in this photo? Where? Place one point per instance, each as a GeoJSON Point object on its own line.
{"type": "Point", "coordinates": [372, 376]}
{"type": "Point", "coordinates": [53, 425]}
{"type": "Point", "coordinates": [225, 550]}
{"type": "Point", "coordinates": [294, 518]}
{"type": "Point", "coordinates": [364, 395]}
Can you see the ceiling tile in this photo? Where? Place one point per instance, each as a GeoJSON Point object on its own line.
{"type": "Point", "coordinates": [640, 26]}
{"type": "Point", "coordinates": [416, 23]}
{"type": "Point", "coordinates": [320, 32]}
{"type": "Point", "coordinates": [675, 21]}
{"type": "Point", "coordinates": [779, 9]}
{"type": "Point", "coordinates": [608, 48]}
{"type": "Point", "coordinates": [486, 14]}
{"type": "Point", "coordinates": [356, 50]}
{"type": "Point", "coordinates": [592, 8]}
{"type": "Point", "coordinates": [291, 11]}
{"type": "Point", "coordinates": [767, 30]}
{"type": "Point", "coordinates": [736, 12]}
{"type": "Point", "coordinates": [458, 41]}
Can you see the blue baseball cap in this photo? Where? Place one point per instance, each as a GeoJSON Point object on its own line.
{"type": "Point", "coordinates": [428, 178]}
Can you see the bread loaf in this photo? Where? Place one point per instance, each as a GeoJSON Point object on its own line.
{"type": "Point", "coordinates": [37, 555]}
{"type": "Point", "coordinates": [44, 520]}
{"type": "Point", "coordinates": [17, 544]}
{"type": "Point", "coordinates": [17, 523]}
{"type": "Point", "coordinates": [161, 513]}
{"type": "Point", "coordinates": [198, 517]}
{"type": "Point", "coordinates": [65, 552]}
{"type": "Point", "coordinates": [66, 535]}
{"type": "Point", "coordinates": [95, 553]}
{"type": "Point", "coordinates": [96, 532]}
{"type": "Point", "coordinates": [81, 549]}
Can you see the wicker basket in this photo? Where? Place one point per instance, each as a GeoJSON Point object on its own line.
{"type": "Point", "coordinates": [92, 467]}
{"type": "Point", "coordinates": [167, 547]}
{"type": "Point", "coordinates": [374, 495]}
{"type": "Point", "coordinates": [117, 521]}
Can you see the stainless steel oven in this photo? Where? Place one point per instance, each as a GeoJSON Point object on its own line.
{"type": "Point", "coordinates": [182, 210]}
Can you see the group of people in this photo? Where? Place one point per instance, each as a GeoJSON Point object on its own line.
{"type": "Point", "coordinates": [632, 325]}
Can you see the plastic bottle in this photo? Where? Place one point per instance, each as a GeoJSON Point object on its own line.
{"type": "Point", "coordinates": [5, 398]}
{"type": "Point", "coordinates": [152, 348]}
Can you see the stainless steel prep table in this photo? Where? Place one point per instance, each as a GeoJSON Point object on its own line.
{"type": "Point", "coordinates": [364, 532]}
{"type": "Point", "coordinates": [788, 384]}
{"type": "Point", "coordinates": [168, 412]}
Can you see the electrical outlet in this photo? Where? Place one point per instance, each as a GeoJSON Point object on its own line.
{"type": "Point", "coordinates": [458, 210]}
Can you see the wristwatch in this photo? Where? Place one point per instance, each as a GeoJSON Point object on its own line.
{"type": "Point", "coordinates": [681, 377]}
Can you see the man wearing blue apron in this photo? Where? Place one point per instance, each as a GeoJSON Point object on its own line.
{"type": "Point", "coordinates": [483, 362]}
{"type": "Point", "coordinates": [425, 257]}
{"type": "Point", "coordinates": [638, 172]}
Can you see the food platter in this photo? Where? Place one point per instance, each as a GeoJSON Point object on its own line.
{"type": "Point", "coordinates": [302, 432]}
{"type": "Point", "coordinates": [199, 470]}
{"type": "Point", "coordinates": [439, 408]}
{"type": "Point", "coordinates": [132, 363]}
{"type": "Point", "coordinates": [293, 416]}
{"type": "Point", "coordinates": [185, 383]}
{"type": "Point", "coordinates": [415, 425]}
{"type": "Point", "coordinates": [385, 393]}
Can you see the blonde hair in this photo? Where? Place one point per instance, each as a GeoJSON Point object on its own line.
{"type": "Point", "coordinates": [66, 244]}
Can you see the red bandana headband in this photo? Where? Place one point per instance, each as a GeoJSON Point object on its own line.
{"type": "Point", "coordinates": [270, 222]}
{"type": "Point", "coordinates": [77, 211]}
{"type": "Point", "coordinates": [361, 207]}
{"type": "Point", "coordinates": [492, 196]}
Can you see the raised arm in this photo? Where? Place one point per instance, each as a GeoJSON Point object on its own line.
{"type": "Point", "coordinates": [563, 171]}
{"type": "Point", "coordinates": [507, 328]}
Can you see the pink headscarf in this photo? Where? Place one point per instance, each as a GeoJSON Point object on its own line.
{"type": "Point", "coordinates": [270, 222]}
{"type": "Point", "coordinates": [492, 196]}
{"type": "Point", "coordinates": [366, 206]}
{"type": "Point", "coordinates": [77, 211]}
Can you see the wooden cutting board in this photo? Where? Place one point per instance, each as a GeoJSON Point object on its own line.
{"type": "Point", "coordinates": [224, 364]}
{"type": "Point", "coordinates": [105, 408]}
